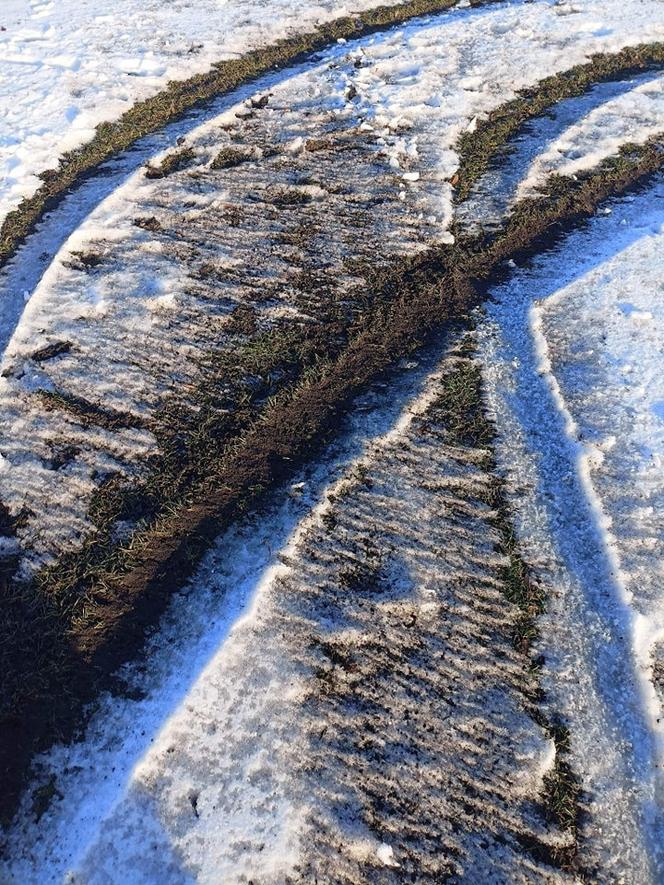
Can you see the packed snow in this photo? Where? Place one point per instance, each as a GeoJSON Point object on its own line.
{"type": "Point", "coordinates": [572, 347]}
{"type": "Point", "coordinates": [204, 766]}
{"type": "Point", "coordinates": [420, 88]}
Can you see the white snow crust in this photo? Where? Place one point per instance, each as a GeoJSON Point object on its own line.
{"type": "Point", "coordinates": [67, 65]}
{"type": "Point", "coordinates": [572, 349]}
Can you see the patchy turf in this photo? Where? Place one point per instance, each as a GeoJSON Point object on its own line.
{"type": "Point", "coordinates": [172, 162]}
{"type": "Point", "coordinates": [229, 157]}
{"type": "Point", "coordinates": [179, 97]}
{"type": "Point", "coordinates": [477, 149]}
{"type": "Point", "coordinates": [87, 413]}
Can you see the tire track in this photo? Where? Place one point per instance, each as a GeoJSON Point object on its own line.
{"type": "Point", "coordinates": [597, 663]}
{"type": "Point", "coordinates": [203, 228]}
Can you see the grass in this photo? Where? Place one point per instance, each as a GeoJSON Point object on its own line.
{"type": "Point", "coordinates": [561, 786]}
{"type": "Point", "coordinates": [50, 351]}
{"type": "Point", "coordinates": [86, 413]}
{"type": "Point", "coordinates": [229, 157]}
{"type": "Point", "coordinates": [177, 98]}
{"type": "Point", "coordinates": [467, 425]}
{"type": "Point", "coordinates": [173, 162]}
{"type": "Point", "coordinates": [148, 222]}
{"type": "Point", "coordinates": [305, 377]}
{"type": "Point", "coordinates": [289, 198]}
{"type": "Point", "coordinates": [84, 261]}
{"type": "Point", "coordinates": [460, 400]}
{"type": "Point", "coordinates": [263, 410]}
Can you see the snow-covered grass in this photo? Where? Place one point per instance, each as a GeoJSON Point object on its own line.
{"type": "Point", "coordinates": [547, 135]}
{"type": "Point", "coordinates": [155, 302]}
{"type": "Point", "coordinates": [233, 720]}
{"type": "Point", "coordinates": [633, 116]}
{"type": "Point", "coordinates": [186, 807]}
{"type": "Point", "coordinates": [276, 759]}
{"type": "Point", "coordinates": [572, 356]}
{"type": "Point", "coordinates": [130, 320]}
{"type": "Point", "coordinates": [67, 66]}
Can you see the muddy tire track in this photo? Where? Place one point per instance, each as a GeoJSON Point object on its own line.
{"type": "Point", "coordinates": [316, 295]}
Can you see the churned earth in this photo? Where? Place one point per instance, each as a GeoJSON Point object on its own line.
{"type": "Point", "coordinates": [330, 473]}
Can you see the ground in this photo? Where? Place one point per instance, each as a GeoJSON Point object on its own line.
{"type": "Point", "coordinates": [332, 442]}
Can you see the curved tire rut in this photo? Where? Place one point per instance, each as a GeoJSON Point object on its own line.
{"type": "Point", "coordinates": [267, 255]}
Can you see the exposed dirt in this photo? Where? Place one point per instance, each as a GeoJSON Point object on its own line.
{"type": "Point", "coordinates": [318, 301]}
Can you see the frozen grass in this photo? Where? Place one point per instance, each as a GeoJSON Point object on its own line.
{"type": "Point", "coordinates": [91, 611]}
{"type": "Point", "coordinates": [100, 598]}
{"type": "Point", "coordinates": [179, 97]}
{"type": "Point", "coordinates": [173, 162]}
{"type": "Point", "coordinates": [87, 413]}
{"type": "Point", "coordinates": [229, 157]}
{"type": "Point", "coordinates": [371, 696]}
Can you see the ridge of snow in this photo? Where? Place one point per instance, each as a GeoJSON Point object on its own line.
{"type": "Point", "coordinates": [580, 443]}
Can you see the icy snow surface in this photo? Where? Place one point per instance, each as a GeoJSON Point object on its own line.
{"type": "Point", "coordinates": [65, 66]}
{"type": "Point", "coordinates": [409, 93]}
{"type": "Point", "coordinates": [573, 348]}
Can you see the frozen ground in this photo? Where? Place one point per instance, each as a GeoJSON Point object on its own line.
{"type": "Point", "coordinates": [330, 636]}
{"type": "Point", "coordinates": [573, 349]}
{"type": "Point", "coordinates": [575, 134]}
{"type": "Point", "coordinates": [388, 109]}
{"type": "Point", "coordinates": [65, 65]}
{"type": "Point", "coordinates": [629, 118]}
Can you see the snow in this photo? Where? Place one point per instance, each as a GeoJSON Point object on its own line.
{"type": "Point", "coordinates": [422, 87]}
{"type": "Point", "coordinates": [385, 854]}
{"type": "Point", "coordinates": [137, 321]}
{"type": "Point", "coordinates": [630, 118]}
{"type": "Point", "coordinates": [67, 65]}
{"type": "Point", "coordinates": [573, 376]}
{"type": "Point", "coordinates": [193, 636]}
